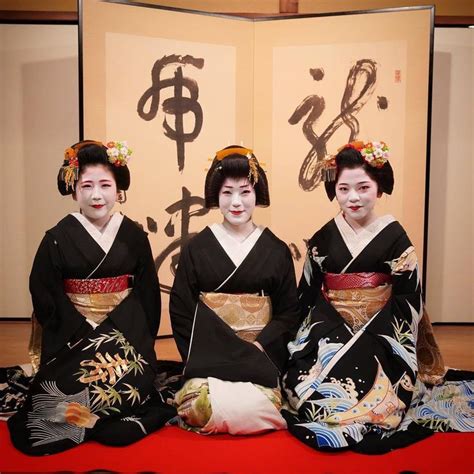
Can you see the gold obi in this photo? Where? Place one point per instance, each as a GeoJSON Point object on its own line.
{"type": "Point", "coordinates": [95, 298]}
{"type": "Point", "coordinates": [96, 306]}
{"type": "Point", "coordinates": [358, 305]}
{"type": "Point", "coordinates": [246, 314]}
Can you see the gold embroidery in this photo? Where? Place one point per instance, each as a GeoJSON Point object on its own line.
{"type": "Point", "coordinates": [406, 262]}
{"type": "Point", "coordinates": [110, 367]}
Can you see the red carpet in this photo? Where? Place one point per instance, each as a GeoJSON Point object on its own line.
{"type": "Point", "coordinates": [174, 450]}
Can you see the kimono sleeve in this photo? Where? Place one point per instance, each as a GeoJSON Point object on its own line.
{"type": "Point", "coordinates": [311, 279]}
{"type": "Point", "coordinates": [285, 312]}
{"type": "Point", "coordinates": [396, 325]}
{"type": "Point", "coordinates": [148, 287]}
{"type": "Point", "coordinates": [183, 300]}
{"type": "Point", "coordinates": [406, 285]}
{"type": "Point", "coordinates": [54, 311]}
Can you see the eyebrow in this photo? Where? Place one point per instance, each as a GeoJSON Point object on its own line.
{"type": "Point", "coordinates": [232, 187]}
{"type": "Point", "coordinates": [360, 182]}
{"type": "Point", "coordinates": [105, 180]}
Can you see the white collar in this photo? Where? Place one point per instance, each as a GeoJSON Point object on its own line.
{"type": "Point", "coordinates": [104, 239]}
{"type": "Point", "coordinates": [237, 251]}
{"type": "Point", "coordinates": [357, 241]}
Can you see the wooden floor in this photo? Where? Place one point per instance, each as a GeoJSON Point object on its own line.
{"type": "Point", "coordinates": [456, 343]}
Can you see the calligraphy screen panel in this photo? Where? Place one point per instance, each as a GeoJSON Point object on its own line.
{"type": "Point", "coordinates": [177, 86]}
{"type": "Point", "coordinates": [321, 81]}
{"type": "Point", "coordinates": [240, 81]}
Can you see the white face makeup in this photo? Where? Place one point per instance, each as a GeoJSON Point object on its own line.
{"type": "Point", "coordinates": [357, 193]}
{"type": "Point", "coordinates": [96, 194]}
{"type": "Point", "coordinates": [237, 203]}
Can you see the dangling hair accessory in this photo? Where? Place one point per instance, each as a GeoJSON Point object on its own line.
{"type": "Point", "coordinates": [374, 154]}
{"type": "Point", "coordinates": [118, 154]}
{"type": "Point", "coordinates": [70, 169]}
{"type": "Point", "coordinates": [248, 153]}
{"type": "Point", "coordinates": [69, 172]}
{"type": "Point", "coordinates": [329, 169]}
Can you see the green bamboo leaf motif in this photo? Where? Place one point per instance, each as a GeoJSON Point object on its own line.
{"type": "Point", "coordinates": [433, 424]}
{"type": "Point", "coordinates": [96, 342]}
{"type": "Point", "coordinates": [128, 349]}
{"type": "Point", "coordinates": [140, 361]}
{"type": "Point", "coordinates": [118, 337]}
{"type": "Point", "coordinates": [114, 335]}
{"type": "Point", "coordinates": [101, 396]}
{"type": "Point", "coordinates": [312, 413]}
{"type": "Point", "coordinates": [402, 336]}
{"type": "Point", "coordinates": [132, 392]}
{"type": "Point", "coordinates": [108, 410]}
{"type": "Point", "coordinates": [113, 395]}
{"type": "Point", "coordinates": [82, 372]}
{"type": "Point", "coordinates": [315, 412]}
{"type": "Point", "coordinates": [135, 367]}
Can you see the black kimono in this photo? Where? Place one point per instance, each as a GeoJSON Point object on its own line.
{"type": "Point", "coordinates": [207, 344]}
{"type": "Point", "coordinates": [98, 364]}
{"type": "Point", "coordinates": [352, 379]}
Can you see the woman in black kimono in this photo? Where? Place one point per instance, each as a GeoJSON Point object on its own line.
{"type": "Point", "coordinates": [364, 365]}
{"type": "Point", "coordinates": [96, 300]}
{"type": "Point", "coordinates": [233, 307]}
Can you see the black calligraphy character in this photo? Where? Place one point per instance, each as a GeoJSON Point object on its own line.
{"type": "Point", "coordinates": [359, 88]}
{"type": "Point", "coordinates": [178, 105]}
{"type": "Point", "coordinates": [181, 208]}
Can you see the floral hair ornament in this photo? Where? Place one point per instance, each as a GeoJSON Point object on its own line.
{"type": "Point", "coordinates": [374, 154]}
{"type": "Point", "coordinates": [118, 154]}
{"type": "Point", "coordinates": [248, 153]}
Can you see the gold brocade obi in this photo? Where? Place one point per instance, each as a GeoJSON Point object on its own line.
{"type": "Point", "coordinates": [246, 314]}
{"type": "Point", "coordinates": [95, 298]}
{"type": "Point", "coordinates": [357, 296]}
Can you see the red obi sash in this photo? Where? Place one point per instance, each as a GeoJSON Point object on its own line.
{"type": "Point", "coordinates": [345, 281]}
{"type": "Point", "coordinates": [98, 285]}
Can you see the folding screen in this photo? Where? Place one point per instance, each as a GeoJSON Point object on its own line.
{"type": "Point", "coordinates": [179, 85]}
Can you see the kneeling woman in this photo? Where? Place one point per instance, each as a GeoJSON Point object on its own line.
{"type": "Point", "coordinates": [97, 301]}
{"type": "Point", "coordinates": [366, 349]}
{"type": "Point", "coordinates": [233, 307]}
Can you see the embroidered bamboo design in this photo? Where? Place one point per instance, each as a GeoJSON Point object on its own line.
{"type": "Point", "coordinates": [109, 366]}
{"type": "Point", "coordinates": [104, 373]}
